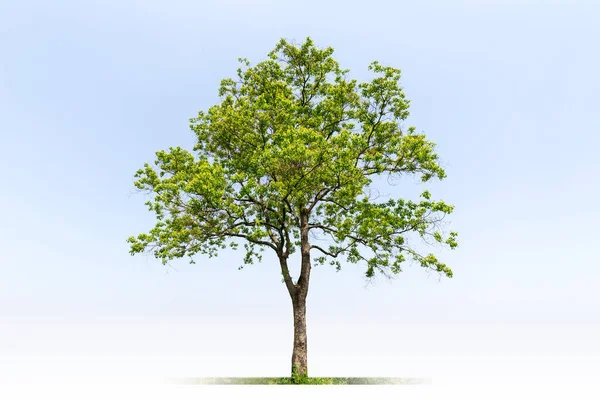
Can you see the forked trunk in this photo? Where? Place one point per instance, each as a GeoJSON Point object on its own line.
{"type": "Point", "coordinates": [298, 293]}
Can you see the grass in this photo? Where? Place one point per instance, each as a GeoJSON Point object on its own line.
{"type": "Point", "coordinates": [306, 381]}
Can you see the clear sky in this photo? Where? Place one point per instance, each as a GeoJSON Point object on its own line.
{"type": "Point", "coordinates": [90, 90]}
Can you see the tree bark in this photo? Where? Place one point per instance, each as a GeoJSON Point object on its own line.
{"type": "Point", "coordinates": [299, 354]}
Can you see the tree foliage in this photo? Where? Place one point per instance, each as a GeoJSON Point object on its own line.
{"type": "Point", "coordinates": [292, 148]}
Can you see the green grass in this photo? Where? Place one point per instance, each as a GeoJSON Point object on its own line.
{"type": "Point", "coordinates": [306, 381]}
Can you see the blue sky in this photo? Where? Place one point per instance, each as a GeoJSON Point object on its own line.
{"type": "Point", "coordinates": [90, 90]}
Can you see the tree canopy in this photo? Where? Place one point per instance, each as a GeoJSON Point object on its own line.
{"type": "Point", "coordinates": [292, 148]}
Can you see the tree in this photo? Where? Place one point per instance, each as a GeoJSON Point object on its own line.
{"type": "Point", "coordinates": [287, 156]}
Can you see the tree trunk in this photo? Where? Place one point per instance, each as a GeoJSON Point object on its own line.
{"type": "Point", "coordinates": [299, 354]}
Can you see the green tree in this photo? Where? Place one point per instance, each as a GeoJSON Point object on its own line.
{"type": "Point", "coordinates": [289, 154]}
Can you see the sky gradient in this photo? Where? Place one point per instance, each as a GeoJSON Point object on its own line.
{"type": "Point", "coordinates": [508, 91]}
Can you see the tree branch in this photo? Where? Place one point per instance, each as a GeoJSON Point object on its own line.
{"type": "Point", "coordinates": [286, 276]}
